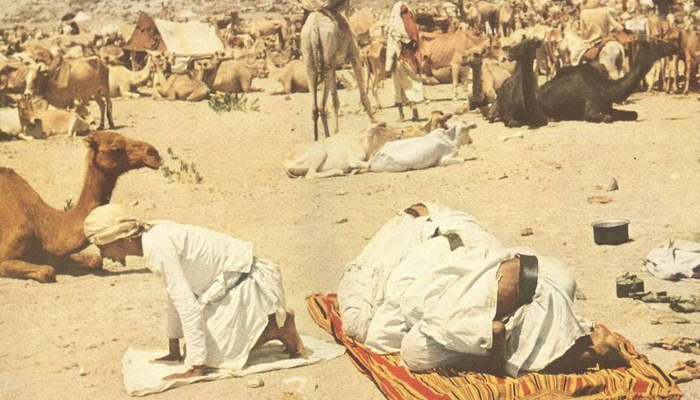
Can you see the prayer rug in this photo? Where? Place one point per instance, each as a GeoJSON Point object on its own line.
{"type": "Point", "coordinates": [643, 381]}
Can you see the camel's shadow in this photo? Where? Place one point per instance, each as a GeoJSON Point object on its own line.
{"type": "Point", "coordinates": [71, 268]}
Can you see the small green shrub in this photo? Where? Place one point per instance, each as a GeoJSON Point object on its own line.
{"type": "Point", "coordinates": [227, 102]}
{"type": "Point", "coordinates": [180, 170]}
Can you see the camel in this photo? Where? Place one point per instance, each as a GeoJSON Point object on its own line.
{"type": "Point", "coordinates": [292, 77]}
{"type": "Point", "coordinates": [516, 101]}
{"type": "Point", "coordinates": [41, 124]}
{"type": "Point", "coordinates": [125, 82]}
{"type": "Point", "coordinates": [69, 80]}
{"type": "Point", "coordinates": [481, 13]}
{"type": "Point", "coordinates": [488, 76]}
{"type": "Point", "coordinates": [688, 43]}
{"type": "Point", "coordinates": [374, 56]}
{"type": "Point", "coordinates": [231, 76]}
{"type": "Point", "coordinates": [506, 19]}
{"type": "Point", "coordinates": [338, 155]}
{"type": "Point", "coordinates": [446, 51]}
{"type": "Point", "coordinates": [584, 93]}
{"type": "Point", "coordinates": [326, 43]}
{"type": "Point", "coordinates": [438, 148]}
{"type": "Point", "coordinates": [179, 86]}
{"type": "Point", "coordinates": [13, 78]}
{"type": "Point", "coordinates": [37, 238]}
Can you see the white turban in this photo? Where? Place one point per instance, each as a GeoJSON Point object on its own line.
{"type": "Point", "coordinates": [109, 223]}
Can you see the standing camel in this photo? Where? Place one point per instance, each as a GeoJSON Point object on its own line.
{"type": "Point", "coordinates": [35, 237]}
{"type": "Point", "coordinates": [326, 43]}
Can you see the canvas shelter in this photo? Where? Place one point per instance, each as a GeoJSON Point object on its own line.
{"type": "Point", "coordinates": [184, 41]}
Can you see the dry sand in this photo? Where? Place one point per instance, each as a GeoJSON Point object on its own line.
{"type": "Point", "coordinates": [542, 181]}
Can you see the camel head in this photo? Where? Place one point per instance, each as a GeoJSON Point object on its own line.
{"type": "Point", "coordinates": [524, 49]}
{"type": "Point", "coordinates": [657, 48]}
{"type": "Point", "coordinates": [115, 154]}
{"type": "Point", "coordinates": [380, 134]}
{"type": "Point", "coordinates": [437, 119]}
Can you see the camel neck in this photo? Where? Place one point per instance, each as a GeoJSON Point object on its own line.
{"type": "Point", "coordinates": [529, 78]}
{"type": "Point", "coordinates": [621, 89]}
{"type": "Point", "coordinates": [97, 191]}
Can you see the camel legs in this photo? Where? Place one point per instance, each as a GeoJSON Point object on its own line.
{"type": "Point", "coordinates": [313, 87]}
{"type": "Point", "coordinates": [336, 104]}
{"type": "Point", "coordinates": [24, 270]}
{"type": "Point", "coordinates": [621, 115]}
{"type": "Point", "coordinates": [591, 114]}
{"type": "Point", "coordinates": [357, 68]}
{"type": "Point", "coordinates": [328, 81]}
{"type": "Point", "coordinates": [455, 81]}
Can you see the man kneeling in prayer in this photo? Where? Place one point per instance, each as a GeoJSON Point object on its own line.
{"type": "Point", "coordinates": [437, 288]}
{"type": "Point", "coordinates": [224, 301]}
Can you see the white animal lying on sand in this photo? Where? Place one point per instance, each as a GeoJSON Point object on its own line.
{"type": "Point", "coordinates": [438, 148]}
{"type": "Point", "coordinates": [339, 154]}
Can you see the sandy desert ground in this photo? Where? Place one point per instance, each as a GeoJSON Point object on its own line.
{"type": "Point", "coordinates": [541, 181]}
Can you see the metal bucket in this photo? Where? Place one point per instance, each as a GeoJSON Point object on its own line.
{"type": "Point", "coordinates": [611, 231]}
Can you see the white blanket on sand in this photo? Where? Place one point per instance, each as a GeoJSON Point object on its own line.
{"type": "Point", "coordinates": [674, 259]}
{"type": "Point", "coordinates": [143, 377]}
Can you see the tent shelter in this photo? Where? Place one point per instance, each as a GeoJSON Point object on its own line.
{"type": "Point", "coordinates": [183, 40]}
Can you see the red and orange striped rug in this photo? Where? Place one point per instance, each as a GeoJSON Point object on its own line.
{"type": "Point", "coordinates": [643, 381]}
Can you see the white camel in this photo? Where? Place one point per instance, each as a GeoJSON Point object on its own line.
{"type": "Point", "coordinates": [326, 43]}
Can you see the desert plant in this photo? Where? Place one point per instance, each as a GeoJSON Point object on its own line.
{"type": "Point", "coordinates": [226, 102]}
{"type": "Point", "coordinates": [180, 170]}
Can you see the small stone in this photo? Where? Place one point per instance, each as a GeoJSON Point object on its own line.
{"type": "Point", "coordinates": [526, 232]}
{"type": "Point", "coordinates": [341, 192]}
{"type": "Point", "coordinates": [255, 383]}
{"type": "Point", "coordinates": [341, 221]}
{"type": "Point", "coordinates": [612, 186]}
{"type": "Point", "coordinates": [134, 203]}
{"type": "Point", "coordinates": [82, 371]}
{"type": "Point", "coordinates": [580, 296]}
{"type": "Point", "coordinates": [600, 199]}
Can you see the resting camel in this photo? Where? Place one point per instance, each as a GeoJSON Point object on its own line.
{"type": "Point", "coordinates": [179, 86]}
{"type": "Point", "coordinates": [41, 124]}
{"type": "Point", "coordinates": [124, 82]}
{"type": "Point", "coordinates": [516, 101]}
{"type": "Point", "coordinates": [37, 238]}
{"type": "Point", "coordinates": [68, 80]}
{"type": "Point", "coordinates": [326, 43]}
{"type": "Point", "coordinates": [231, 76]}
{"type": "Point", "coordinates": [584, 93]}
{"type": "Point", "coordinates": [338, 155]}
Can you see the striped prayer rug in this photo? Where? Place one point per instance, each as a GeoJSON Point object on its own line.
{"type": "Point", "coordinates": [643, 381]}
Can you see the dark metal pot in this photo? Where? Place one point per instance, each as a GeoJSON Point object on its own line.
{"type": "Point", "coordinates": [611, 231]}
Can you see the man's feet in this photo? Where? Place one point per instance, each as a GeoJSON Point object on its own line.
{"type": "Point", "coordinates": [607, 347]}
{"type": "Point", "coordinates": [287, 334]}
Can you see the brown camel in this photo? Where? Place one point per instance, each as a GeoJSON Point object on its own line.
{"type": "Point", "coordinates": [35, 238]}
{"type": "Point", "coordinates": [326, 43]}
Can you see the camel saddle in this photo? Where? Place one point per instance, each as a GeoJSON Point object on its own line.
{"type": "Point", "coordinates": [592, 53]}
{"type": "Point", "coordinates": [59, 72]}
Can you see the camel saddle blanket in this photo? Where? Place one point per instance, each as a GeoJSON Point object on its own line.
{"type": "Point", "coordinates": [59, 72]}
{"type": "Point", "coordinates": [592, 53]}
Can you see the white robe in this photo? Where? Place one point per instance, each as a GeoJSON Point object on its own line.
{"type": "Point", "coordinates": [438, 305]}
{"type": "Point", "coordinates": [220, 296]}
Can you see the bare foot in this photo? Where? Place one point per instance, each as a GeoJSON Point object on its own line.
{"type": "Point", "coordinates": [197, 370]}
{"type": "Point", "coordinates": [607, 347]}
{"type": "Point", "coordinates": [290, 337]}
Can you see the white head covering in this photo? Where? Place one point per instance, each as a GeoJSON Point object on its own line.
{"type": "Point", "coordinates": [109, 223]}
{"type": "Point", "coordinates": [396, 26]}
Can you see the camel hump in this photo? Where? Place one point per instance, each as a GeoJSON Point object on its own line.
{"type": "Point", "coordinates": [94, 62]}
